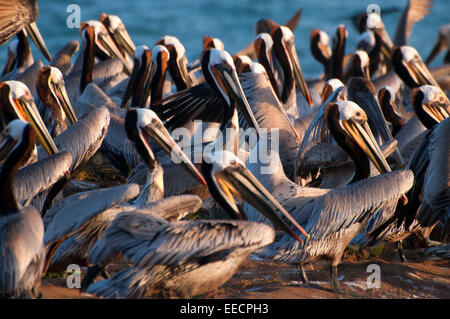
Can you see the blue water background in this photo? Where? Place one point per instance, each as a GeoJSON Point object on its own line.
{"type": "Point", "coordinates": [233, 22]}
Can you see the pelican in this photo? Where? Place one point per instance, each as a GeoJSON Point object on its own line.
{"type": "Point", "coordinates": [216, 100]}
{"type": "Point", "coordinates": [17, 103]}
{"type": "Point", "coordinates": [441, 44]}
{"type": "Point", "coordinates": [358, 65]}
{"type": "Point", "coordinates": [179, 259]}
{"type": "Point", "coordinates": [20, 14]}
{"type": "Point", "coordinates": [77, 239]}
{"type": "Point", "coordinates": [177, 62]}
{"type": "Point", "coordinates": [96, 42]}
{"type": "Point", "coordinates": [336, 61]}
{"type": "Point", "coordinates": [320, 48]}
{"type": "Point", "coordinates": [226, 175]}
{"type": "Point", "coordinates": [21, 238]}
{"type": "Point", "coordinates": [118, 33]}
{"type": "Point", "coordinates": [155, 87]}
{"type": "Point", "coordinates": [51, 90]}
{"type": "Point", "coordinates": [387, 98]}
{"type": "Point", "coordinates": [322, 211]}
{"type": "Point", "coordinates": [139, 74]}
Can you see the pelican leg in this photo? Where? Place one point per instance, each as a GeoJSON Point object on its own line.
{"type": "Point", "coordinates": [334, 277]}
{"type": "Point", "coordinates": [400, 251]}
{"type": "Point", "coordinates": [302, 273]}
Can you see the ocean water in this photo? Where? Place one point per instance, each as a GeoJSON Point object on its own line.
{"type": "Point", "coordinates": [233, 22]}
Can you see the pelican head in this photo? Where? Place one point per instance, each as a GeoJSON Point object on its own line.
{"type": "Point", "coordinates": [52, 91]}
{"type": "Point", "coordinates": [442, 42]}
{"type": "Point", "coordinates": [142, 124]}
{"type": "Point", "coordinates": [348, 124]}
{"type": "Point", "coordinates": [358, 65]}
{"type": "Point", "coordinates": [284, 46]}
{"type": "Point", "coordinates": [155, 82]}
{"type": "Point", "coordinates": [320, 46]}
{"type": "Point", "coordinates": [210, 42]}
{"type": "Point", "coordinates": [141, 67]}
{"type": "Point", "coordinates": [430, 104]}
{"type": "Point", "coordinates": [227, 176]}
{"type": "Point", "coordinates": [331, 86]}
{"type": "Point", "coordinates": [220, 73]}
{"type": "Point", "coordinates": [410, 68]}
{"type": "Point", "coordinates": [118, 32]}
{"type": "Point", "coordinates": [386, 97]}
{"type": "Point", "coordinates": [242, 63]}
{"type": "Point", "coordinates": [177, 61]}
{"type": "Point", "coordinates": [17, 103]}
{"type": "Point", "coordinates": [263, 48]}
{"type": "Point", "coordinates": [104, 45]}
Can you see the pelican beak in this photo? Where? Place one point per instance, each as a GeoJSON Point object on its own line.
{"type": "Point", "coordinates": [436, 110]}
{"type": "Point", "coordinates": [419, 72]}
{"type": "Point", "coordinates": [441, 44]}
{"type": "Point", "coordinates": [27, 111]}
{"type": "Point", "coordinates": [108, 44]}
{"type": "Point", "coordinates": [148, 87]}
{"type": "Point", "coordinates": [362, 135]}
{"type": "Point", "coordinates": [131, 84]}
{"type": "Point", "coordinates": [228, 78]}
{"type": "Point", "coordinates": [183, 71]}
{"type": "Point", "coordinates": [159, 134]}
{"type": "Point", "coordinates": [239, 181]}
{"type": "Point", "coordinates": [35, 35]}
{"type": "Point", "coordinates": [298, 74]}
{"type": "Point", "coordinates": [123, 38]}
{"type": "Point", "coordinates": [59, 90]}
{"type": "Point", "coordinates": [7, 143]}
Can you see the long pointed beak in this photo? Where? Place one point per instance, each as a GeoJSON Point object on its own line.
{"type": "Point", "coordinates": [36, 36]}
{"type": "Point", "coordinates": [160, 134]}
{"type": "Point", "coordinates": [110, 46]}
{"type": "Point", "coordinates": [362, 135]}
{"type": "Point", "coordinates": [30, 113]}
{"type": "Point", "coordinates": [64, 102]}
{"type": "Point", "coordinates": [436, 111]}
{"type": "Point", "coordinates": [131, 84]}
{"type": "Point", "coordinates": [234, 86]}
{"type": "Point", "coordinates": [124, 39]}
{"type": "Point", "coordinates": [437, 48]}
{"type": "Point", "coordinates": [421, 73]}
{"type": "Point", "coordinates": [299, 78]}
{"type": "Point", "coordinates": [241, 183]}
{"type": "Point", "coordinates": [183, 71]}
{"type": "Point", "coordinates": [147, 87]}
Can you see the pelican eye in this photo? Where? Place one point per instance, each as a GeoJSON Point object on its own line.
{"type": "Point", "coordinates": [358, 114]}
{"type": "Point", "coordinates": [154, 121]}
{"type": "Point", "coordinates": [441, 99]}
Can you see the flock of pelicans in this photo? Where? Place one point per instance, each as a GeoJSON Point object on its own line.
{"type": "Point", "coordinates": [362, 157]}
